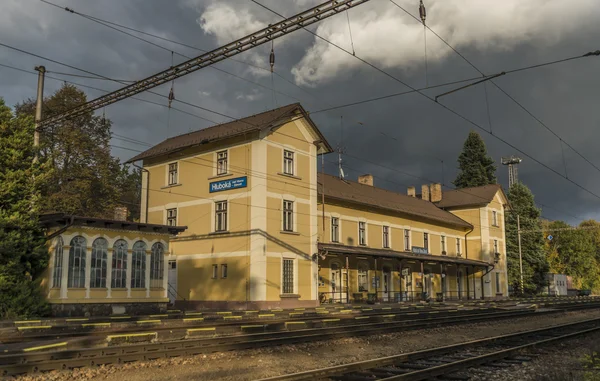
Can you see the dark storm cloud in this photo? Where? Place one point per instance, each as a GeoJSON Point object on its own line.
{"type": "Point", "coordinates": [406, 134]}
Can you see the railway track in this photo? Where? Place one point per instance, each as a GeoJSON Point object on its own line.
{"type": "Point", "coordinates": [450, 361]}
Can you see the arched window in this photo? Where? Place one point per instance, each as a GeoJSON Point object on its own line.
{"type": "Point", "coordinates": [119, 265]}
{"type": "Point", "coordinates": [58, 263]}
{"type": "Point", "coordinates": [99, 255]}
{"type": "Point", "coordinates": [138, 265]}
{"type": "Point", "coordinates": [77, 254]}
{"type": "Point", "coordinates": [157, 265]}
{"type": "Point", "coordinates": [363, 277]}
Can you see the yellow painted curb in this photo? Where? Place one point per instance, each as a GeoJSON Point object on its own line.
{"type": "Point", "coordinates": [27, 321]}
{"type": "Point", "coordinates": [193, 319]}
{"type": "Point", "coordinates": [388, 316]}
{"type": "Point", "coordinates": [288, 323]}
{"type": "Point", "coordinates": [299, 309]}
{"type": "Point", "coordinates": [49, 346]}
{"type": "Point", "coordinates": [266, 315]}
{"type": "Point", "coordinates": [201, 329]}
{"type": "Point", "coordinates": [110, 337]}
{"type": "Point", "coordinates": [234, 317]}
{"type": "Point", "coordinates": [434, 312]}
{"type": "Point", "coordinates": [296, 313]}
{"type": "Point", "coordinates": [173, 311]}
{"type": "Point", "coordinates": [250, 312]}
{"type": "Point", "coordinates": [193, 314]}
{"type": "Point", "coordinates": [77, 319]}
{"type": "Point", "coordinates": [330, 320]}
{"type": "Point", "coordinates": [412, 313]}
{"type": "Point", "coordinates": [386, 308]}
{"type": "Point", "coordinates": [345, 311]}
{"type": "Point", "coordinates": [160, 315]}
{"type": "Point", "coordinates": [148, 321]}
{"type": "Point", "coordinates": [96, 325]}
{"type": "Point", "coordinates": [252, 326]}
{"type": "Point", "coordinates": [119, 317]}
{"type": "Point", "coordinates": [362, 317]}
{"type": "Point", "coordinates": [224, 313]}
{"type": "Point", "coordinates": [35, 327]}
{"type": "Point", "coordinates": [323, 312]}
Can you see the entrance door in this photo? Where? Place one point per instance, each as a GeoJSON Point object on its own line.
{"type": "Point", "coordinates": [338, 292]}
{"type": "Point", "coordinates": [172, 281]}
{"type": "Point", "coordinates": [428, 285]}
{"type": "Point", "coordinates": [387, 285]}
{"type": "Point", "coordinates": [459, 284]}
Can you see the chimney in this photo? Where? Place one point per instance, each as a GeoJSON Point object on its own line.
{"type": "Point", "coordinates": [121, 213]}
{"type": "Point", "coordinates": [366, 179]}
{"type": "Point", "coordinates": [436, 192]}
{"type": "Point", "coordinates": [425, 192]}
{"type": "Point", "coordinates": [411, 191]}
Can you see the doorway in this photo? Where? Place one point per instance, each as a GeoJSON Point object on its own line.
{"type": "Point", "coordinates": [337, 290]}
{"type": "Point", "coordinates": [387, 284]}
{"type": "Point", "coordinates": [459, 284]}
{"type": "Point", "coordinates": [172, 281]}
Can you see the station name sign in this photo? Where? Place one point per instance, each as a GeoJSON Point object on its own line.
{"type": "Point", "coordinates": [219, 186]}
{"type": "Point", "coordinates": [419, 250]}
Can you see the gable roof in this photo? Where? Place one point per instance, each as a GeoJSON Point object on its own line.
{"type": "Point", "coordinates": [253, 123]}
{"type": "Point", "coordinates": [470, 196]}
{"type": "Point", "coordinates": [368, 195]}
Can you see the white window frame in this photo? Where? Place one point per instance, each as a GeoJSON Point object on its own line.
{"type": "Point", "coordinates": [362, 267]}
{"type": "Point", "coordinates": [219, 170]}
{"type": "Point", "coordinates": [287, 209]}
{"type": "Point", "coordinates": [224, 271]}
{"type": "Point", "coordinates": [215, 271]}
{"type": "Point", "coordinates": [335, 237]}
{"type": "Point", "coordinates": [443, 243]}
{"type": "Point", "coordinates": [407, 242]}
{"type": "Point", "coordinates": [362, 239]}
{"type": "Point", "coordinates": [458, 247]}
{"type": "Point", "coordinates": [169, 217]}
{"type": "Point", "coordinates": [289, 163]}
{"type": "Point", "coordinates": [173, 180]}
{"type": "Point", "coordinates": [426, 241]}
{"type": "Point", "coordinates": [494, 218]}
{"type": "Point", "coordinates": [385, 232]}
{"type": "Point", "coordinates": [57, 270]}
{"type": "Point", "coordinates": [496, 246]}
{"type": "Point", "coordinates": [294, 263]}
{"type": "Point", "coordinates": [222, 213]}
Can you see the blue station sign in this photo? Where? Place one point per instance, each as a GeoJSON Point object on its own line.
{"type": "Point", "coordinates": [420, 250]}
{"type": "Point", "coordinates": [219, 186]}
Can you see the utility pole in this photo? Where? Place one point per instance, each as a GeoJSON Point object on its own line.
{"type": "Point", "coordinates": [38, 109]}
{"type": "Point", "coordinates": [520, 255]}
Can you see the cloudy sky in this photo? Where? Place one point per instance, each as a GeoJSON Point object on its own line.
{"type": "Point", "coordinates": [401, 140]}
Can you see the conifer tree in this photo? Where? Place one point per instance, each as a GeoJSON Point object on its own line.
{"type": "Point", "coordinates": [475, 166]}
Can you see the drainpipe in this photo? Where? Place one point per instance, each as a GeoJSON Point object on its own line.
{"type": "Point", "coordinates": [467, 244]}
{"type": "Point", "coordinates": [147, 189]}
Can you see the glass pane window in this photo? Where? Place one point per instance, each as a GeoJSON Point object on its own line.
{"type": "Point", "coordinates": [223, 271]}
{"type": "Point", "coordinates": [386, 236]}
{"type": "Point", "coordinates": [406, 240]}
{"type": "Point", "coordinates": [58, 263]}
{"type": "Point", "coordinates": [288, 162]}
{"type": "Point", "coordinates": [215, 269]}
{"type": "Point", "coordinates": [444, 244]}
{"type": "Point", "coordinates": [138, 265]}
{"type": "Point", "coordinates": [362, 233]}
{"type": "Point", "coordinates": [458, 246]}
{"type": "Point", "coordinates": [288, 276]}
{"type": "Point", "coordinates": [173, 173]}
{"type": "Point", "coordinates": [495, 246]}
{"type": "Point", "coordinates": [77, 257]}
{"type": "Point", "coordinates": [98, 266]}
{"type": "Point", "coordinates": [335, 229]}
{"type": "Point", "coordinates": [363, 279]}
{"type": "Point", "coordinates": [498, 282]}
{"type": "Point", "coordinates": [172, 217]}
{"type": "Point", "coordinates": [426, 241]}
{"type": "Point", "coordinates": [288, 216]}
{"type": "Point", "coordinates": [221, 162]}
{"type": "Point", "coordinates": [221, 216]}
{"type": "Point", "coordinates": [494, 218]}
{"type": "Point", "coordinates": [119, 265]}
{"type": "Point", "coordinates": [157, 265]}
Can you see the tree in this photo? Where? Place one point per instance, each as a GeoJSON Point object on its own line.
{"type": "Point", "coordinates": [535, 265]}
{"type": "Point", "coordinates": [86, 180]}
{"type": "Point", "coordinates": [23, 252]}
{"type": "Point", "coordinates": [476, 167]}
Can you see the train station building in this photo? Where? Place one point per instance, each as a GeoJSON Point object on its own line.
{"type": "Point", "coordinates": [266, 230]}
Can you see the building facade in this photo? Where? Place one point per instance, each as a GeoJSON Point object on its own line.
{"type": "Point", "coordinates": [262, 223]}
{"type": "Point", "coordinates": [102, 267]}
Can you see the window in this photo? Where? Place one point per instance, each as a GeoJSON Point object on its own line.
{"type": "Point", "coordinates": [288, 162]}
{"type": "Point", "coordinates": [288, 276]}
{"type": "Point", "coordinates": [335, 229]}
{"type": "Point", "coordinates": [77, 254]}
{"type": "Point", "coordinates": [173, 167]}
{"type": "Point", "coordinates": [496, 246]}
{"type": "Point", "coordinates": [386, 237]}
{"type": "Point", "coordinates": [119, 265]}
{"type": "Point", "coordinates": [215, 269]}
{"type": "Point", "coordinates": [363, 278]}
{"type": "Point", "coordinates": [223, 271]}
{"type": "Point", "coordinates": [222, 162]}
{"type": "Point", "coordinates": [58, 260]}
{"type": "Point", "coordinates": [498, 282]}
{"type": "Point", "coordinates": [99, 257]}
{"type": "Point", "coordinates": [494, 218]}
{"type": "Point", "coordinates": [157, 265]}
{"type": "Point", "coordinates": [362, 234]}
{"type": "Point", "coordinates": [458, 246]}
{"type": "Point", "coordinates": [443, 244]}
{"type": "Point", "coordinates": [138, 265]}
{"type": "Point", "coordinates": [221, 216]}
{"type": "Point", "coordinates": [406, 240]}
{"type": "Point", "coordinates": [426, 241]}
{"type": "Point", "coordinates": [172, 217]}
{"type": "Point", "coordinates": [288, 216]}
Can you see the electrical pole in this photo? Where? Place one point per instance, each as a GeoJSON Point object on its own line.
{"type": "Point", "coordinates": [520, 255]}
{"type": "Point", "coordinates": [38, 109]}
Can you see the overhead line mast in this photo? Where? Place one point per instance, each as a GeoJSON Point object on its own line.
{"type": "Point", "coordinates": [272, 32]}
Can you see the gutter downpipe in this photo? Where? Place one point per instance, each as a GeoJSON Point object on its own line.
{"type": "Point", "coordinates": [147, 190]}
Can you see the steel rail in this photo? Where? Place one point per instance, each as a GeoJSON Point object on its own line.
{"type": "Point", "coordinates": [587, 326]}
{"type": "Point", "coordinates": [272, 32]}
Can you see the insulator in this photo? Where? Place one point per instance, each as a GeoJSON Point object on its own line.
{"type": "Point", "coordinates": [171, 97]}
{"type": "Point", "coordinates": [422, 12]}
{"type": "Point", "coordinates": [272, 59]}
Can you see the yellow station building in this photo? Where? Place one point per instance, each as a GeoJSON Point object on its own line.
{"type": "Point", "coordinates": [266, 230]}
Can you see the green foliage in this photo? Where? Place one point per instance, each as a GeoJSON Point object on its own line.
{"type": "Point", "coordinates": [86, 179]}
{"type": "Point", "coordinates": [476, 167]}
{"type": "Point", "coordinates": [535, 265]}
{"type": "Point", "coordinates": [23, 253]}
